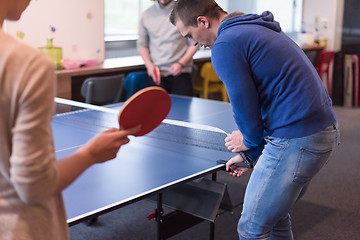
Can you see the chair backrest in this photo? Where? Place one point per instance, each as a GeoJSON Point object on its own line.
{"type": "Point", "coordinates": [103, 90]}
{"type": "Point", "coordinates": [194, 72]}
{"type": "Point", "coordinates": [208, 73]}
{"type": "Point", "coordinates": [212, 82]}
{"type": "Point", "coordinates": [325, 57]}
{"type": "Point", "coordinates": [136, 81]}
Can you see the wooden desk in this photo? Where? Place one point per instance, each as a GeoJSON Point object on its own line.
{"type": "Point", "coordinates": [69, 81]}
{"type": "Point", "coordinates": [309, 48]}
{"type": "Point", "coordinates": [312, 52]}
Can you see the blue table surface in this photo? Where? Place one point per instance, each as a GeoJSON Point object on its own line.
{"type": "Point", "coordinates": [145, 165]}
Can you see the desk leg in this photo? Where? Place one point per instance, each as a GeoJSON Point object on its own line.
{"type": "Point", "coordinates": [212, 230]}
{"type": "Point", "coordinates": [64, 87]}
{"type": "Point", "coordinates": [159, 215]}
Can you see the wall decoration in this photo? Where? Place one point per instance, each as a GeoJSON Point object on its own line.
{"type": "Point", "coordinates": [89, 15]}
{"type": "Point", "coordinates": [52, 28]}
{"type": "Point", "coordinates": [20, 35]}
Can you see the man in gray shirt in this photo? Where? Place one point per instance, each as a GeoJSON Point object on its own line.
{"type": "Point", "coordinates": [165, 51]}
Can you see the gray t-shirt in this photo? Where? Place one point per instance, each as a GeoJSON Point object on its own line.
{"type": "Point", "coordinates": [165, 43]}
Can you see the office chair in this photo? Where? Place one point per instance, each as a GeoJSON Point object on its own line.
{"type": "Point", "coordinates": [103, 90]}
{"type": "Point", "coordinates": [323, 66]}
{"type": "Point", "coordinates": [351, 80]}
{"type": "Point", "coordinates": [356, 77]}
{"type": "Point", "coordinates": [136, 81]}
{"type": "Point", "coordinates": [211, 83]}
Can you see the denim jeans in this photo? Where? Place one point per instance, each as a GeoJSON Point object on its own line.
{"type": "Point", "coordinates": [280, 177]}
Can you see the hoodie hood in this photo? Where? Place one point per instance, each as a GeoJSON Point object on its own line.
{"type": "Point", "coordinates": [266, 19]}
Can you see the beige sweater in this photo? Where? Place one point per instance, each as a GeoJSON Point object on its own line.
{"type": "Point", "coordinates": [28, 175]}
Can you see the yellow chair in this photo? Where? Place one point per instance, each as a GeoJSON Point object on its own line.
{"type": "Point", "coordinates": [211, 83]}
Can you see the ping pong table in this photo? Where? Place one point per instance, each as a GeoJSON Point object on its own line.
{"type": "Point", "coordinates": [147, 166]}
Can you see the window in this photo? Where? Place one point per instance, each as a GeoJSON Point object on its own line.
{"type": "Point", "coordinates": [122, 18]}
{"type": "Point", "coordinates": [287, 13]}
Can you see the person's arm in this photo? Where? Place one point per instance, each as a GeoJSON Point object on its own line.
{"type": "Point", "coordinates": [101, 148]}
{"type": "Point", "coordinates": [34, 171]}
{"type": "Point", "coordinates": [233, 69]}
{"type": "Point", "coordinates": [150, 67]}
{"type": "Point", "coordinates": [234, 142]}
{"type": "Point", "coordinates": [142, 45]}
{"type": "Point", "coordinates": [32, 161]}
{"type": "Point", "coordinates": [177, 67]}
{"type": "Point", "coordinates": [235, 170]}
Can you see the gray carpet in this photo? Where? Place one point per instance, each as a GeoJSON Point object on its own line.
{"type": "Point", "coordinates": [329, 211]}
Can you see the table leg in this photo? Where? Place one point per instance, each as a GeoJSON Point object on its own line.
{"type": "Point", "coordinates": [212, 230]}
{"type": "Point", "coordinates": [159, 215]}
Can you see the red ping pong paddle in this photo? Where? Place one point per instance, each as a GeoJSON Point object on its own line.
{"type": "Point", "coordinates": [157, 75]}
{"type": "Point", "coordinates": [147, 107]}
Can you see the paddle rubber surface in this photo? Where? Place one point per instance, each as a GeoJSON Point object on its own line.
{"type": "Point", "coordinates": [148, 107]}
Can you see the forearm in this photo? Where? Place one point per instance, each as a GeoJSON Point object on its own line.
{"type": "Point", "coordinates": [242, 91]}
{"type": "Point", "coordinates": [144, 53]}
{"type": "Point", "coordinates": [71, 167]}
{"type": "Point", "coordinates": [188, 55]}
{"type": "Point", "coordinates": [101, 148]}
{"type": "Point", "coordinates": [255, 152]}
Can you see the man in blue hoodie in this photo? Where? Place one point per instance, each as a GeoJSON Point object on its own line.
{"type": "Point", "coordinates": [283, 112]}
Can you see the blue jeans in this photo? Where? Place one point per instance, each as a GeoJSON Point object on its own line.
{"type": "Point", "coordinates": [280, 177]}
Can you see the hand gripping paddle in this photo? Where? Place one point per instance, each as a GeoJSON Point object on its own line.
{"type": "Point", "coordinates": [148, 107]}
{"type": "Point", "coordinates": [157, 76]}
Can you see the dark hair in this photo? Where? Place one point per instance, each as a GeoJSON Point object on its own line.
{"type": "Point", "coordinates": [188, 11]}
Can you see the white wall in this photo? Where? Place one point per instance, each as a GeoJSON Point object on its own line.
{"type": "Point", "coordinates": [330, 14]}
{"type": "Point", "coordinates": [283, 11]}
{"type": "Point", "coordinates": [78, 24]}
{"type": "Point", "coordinates": [327, 11]}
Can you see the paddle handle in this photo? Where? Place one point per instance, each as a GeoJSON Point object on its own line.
{"type": "Point", "coordinates": [157, 75]}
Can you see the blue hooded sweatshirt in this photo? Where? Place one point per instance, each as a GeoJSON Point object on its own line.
{"type": "Point", "coordinates": [273, 87]}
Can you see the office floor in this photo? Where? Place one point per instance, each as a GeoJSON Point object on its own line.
{"type": "Point", "coordinates": [329, 211]}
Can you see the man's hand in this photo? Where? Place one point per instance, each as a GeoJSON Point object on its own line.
{"type": "Point", "coordinates": [234, 142]}
{"type": "Point", "coordinates": [154, 72]}
{"type": "Point", "coordinates": [175, 69]}
{"type": "Point", "coordinates": [234, 170]}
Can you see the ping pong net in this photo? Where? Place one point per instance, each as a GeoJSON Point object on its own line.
{"type": "Point", "coordinates": [92, 117]}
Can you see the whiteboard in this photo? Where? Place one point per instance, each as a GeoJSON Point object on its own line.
{"type": "Point", "coordinates": [77, 26]}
